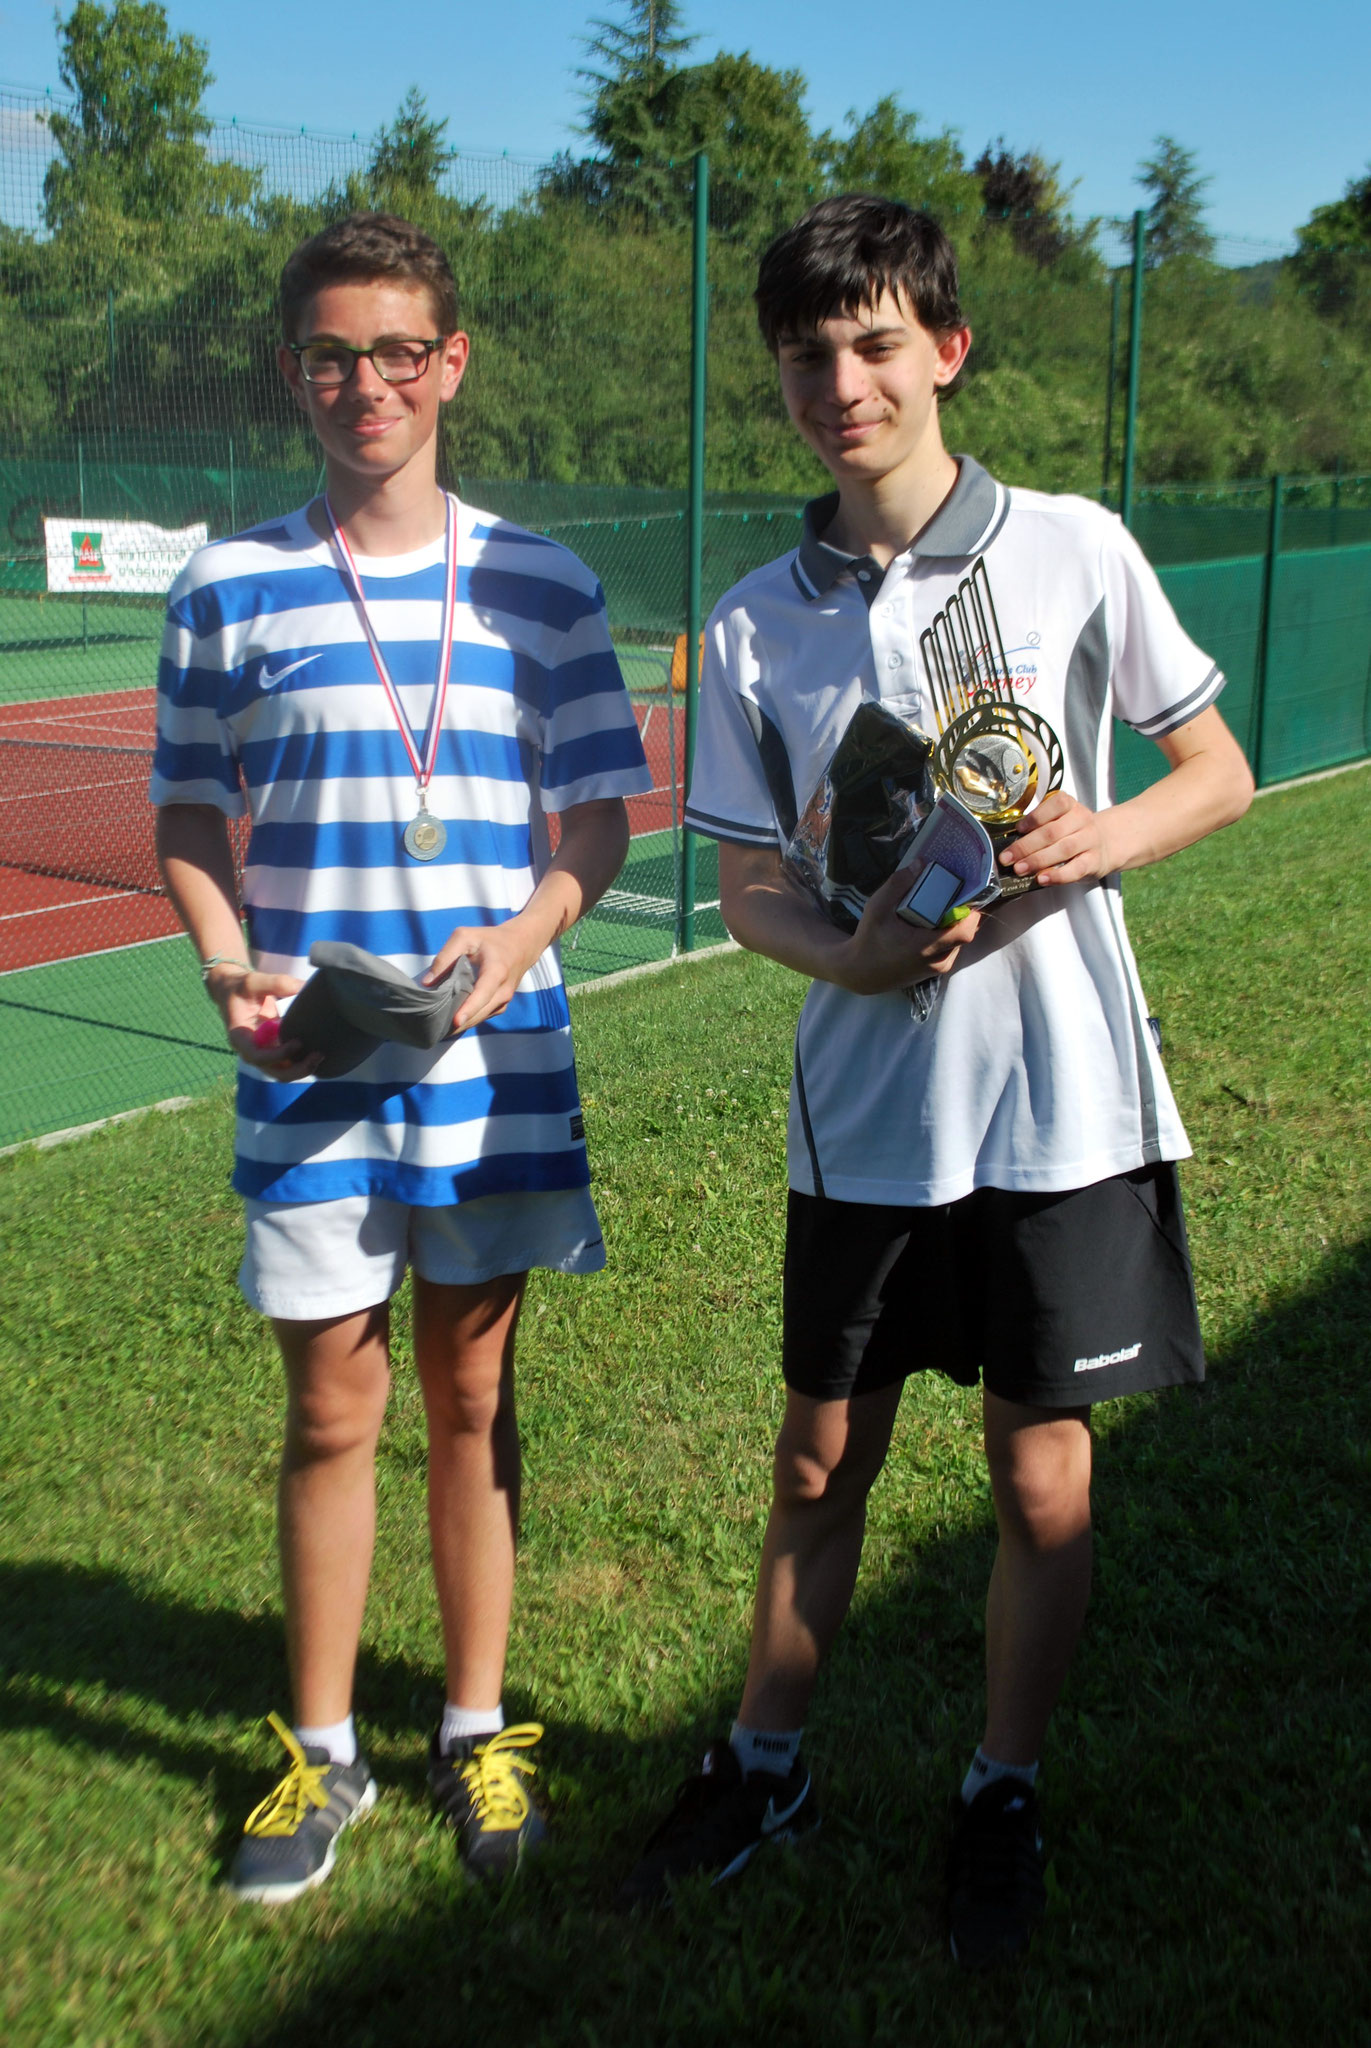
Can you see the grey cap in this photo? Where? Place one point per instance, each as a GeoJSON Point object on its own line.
{"type": "Point", "coordinates": [355, 999]}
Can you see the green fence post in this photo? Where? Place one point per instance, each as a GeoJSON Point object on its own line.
{"type": "Point", "coordinates": [1130, 418]}
{"type": "Point", "coordinates": [233, 489]}
{"type": "Point", "coordinates": [113, 389]}
{"type": "Point", "coordinates": [1273, 548]}
{"type": "Point", "coordinates": [1109, 386]}
{"type": "Point", "coordinates": [1337, 499]}
{"type": "Point", "coordinates": [695, 525]}
{"type": "Point", "coordinates": [81, 513]}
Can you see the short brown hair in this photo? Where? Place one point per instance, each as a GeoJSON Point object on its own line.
{"type": "Point", "coordinates": [370, 248]}
{"type": "Point", "coordinates": [843, 255]}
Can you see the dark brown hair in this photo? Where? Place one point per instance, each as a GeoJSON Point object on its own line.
{"type": "Point", "coordinates": [843, 254]}
{"type": "Point", "coordinates": [369, 248]}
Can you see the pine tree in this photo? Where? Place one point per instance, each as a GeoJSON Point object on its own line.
{"type": "Point", "coordinates": [1175, 218]}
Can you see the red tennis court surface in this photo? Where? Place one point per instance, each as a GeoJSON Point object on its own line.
{"type": "Point", "coordinates": [77, 870]}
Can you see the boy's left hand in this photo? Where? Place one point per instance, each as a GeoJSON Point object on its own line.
{"type": "Point", "coordinates": [1062, 841]}
{"type": "Point", "coordinates": [500, 955]}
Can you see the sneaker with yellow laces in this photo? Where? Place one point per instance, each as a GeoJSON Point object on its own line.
{"type": "Point", "coordinates": [289, 1840]}
{"type": "Point", "coordinates": [479, 1789]}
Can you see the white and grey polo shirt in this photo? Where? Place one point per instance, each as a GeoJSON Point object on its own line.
{"type": "Point", "coordinates": [1037, 1069]}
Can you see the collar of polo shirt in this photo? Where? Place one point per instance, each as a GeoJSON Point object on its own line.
{"type": "Point", "coordinates": [963, 524]}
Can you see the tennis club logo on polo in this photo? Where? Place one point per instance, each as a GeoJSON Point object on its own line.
{"type": "Point", "coordinates": [1107, 1358]}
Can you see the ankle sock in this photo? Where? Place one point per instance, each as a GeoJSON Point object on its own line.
{"type": "Point", "coordinates": [986, 1769]}
{"type": "Point", "coordinates": [339, 1739]}
{"type": "Point", "coordinates": [459, 1724]}
{"type": "Point", "coordinates": [765, 1749]}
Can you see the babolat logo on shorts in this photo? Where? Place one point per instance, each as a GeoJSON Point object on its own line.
{"type": "Point", "coordinates": [1107, 1358]}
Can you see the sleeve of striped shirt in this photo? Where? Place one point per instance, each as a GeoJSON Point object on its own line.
{"type": "Point", "coordinates": [591, 746]}
{"type": "Point", "coordinates": [729, 796]}
{"type": "Point", "coordinates": [194, 762]}
{"type": "Point", "coordinates": [1161, 678]}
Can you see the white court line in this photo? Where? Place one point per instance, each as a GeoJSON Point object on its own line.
{"type": "Point", "coordinates": [71, 959]}
{"type": "Point", "coordinates": [31, 796]}
{"type": "Point", "coordinates": [84, 903]}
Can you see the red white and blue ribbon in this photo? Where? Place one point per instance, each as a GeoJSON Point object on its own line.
{"type": "Point", "coordinates": [421, 759]}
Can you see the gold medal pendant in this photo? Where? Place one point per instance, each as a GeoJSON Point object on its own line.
{"type": "Point", "coordinates": [425, 836]}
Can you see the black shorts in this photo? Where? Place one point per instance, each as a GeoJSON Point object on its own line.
{"type": "Point", "coordinates": [1053, 1300]}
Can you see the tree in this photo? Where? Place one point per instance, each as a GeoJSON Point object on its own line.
{"type": "Point", "coordinates": [409, 157]}
{"type": "Point", "coordinates": [1334, 259]}
{"type": "Point", "coordinates": [1344, 226]}
{"type": "Point", "coordinates": [135, 143]}
{"type": "Point", "coordinates": [1175, 218]}
{"type": "Point", "coordinates": [651, 117]}
{"type": "Point", "coordinates": [638, 55]}
{"type": "Point", "coordinates": [1025, 194]}
{"type": "Point", "coordinates": [886, 153]}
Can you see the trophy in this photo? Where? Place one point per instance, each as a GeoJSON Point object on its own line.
{"type": "Point", "coordinates": [993, 755]}
{"type": "Point", "coordinates": [942, 805]}
{"type": "Point", "coordinates": [946, 804]}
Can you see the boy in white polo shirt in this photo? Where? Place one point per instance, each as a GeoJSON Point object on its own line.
{"type": "Point", "coordinates": [396, 689]}
{"type": "Point", "coordinates": [990, 1190]}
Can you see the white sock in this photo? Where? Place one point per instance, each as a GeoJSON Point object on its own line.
{"type": "Point", "coordinates": [986, 1769]}
{"type": "Point", "coordinates": [459, 1723]}
{"type": "Point", "coordinates": [765, 1749]}
{"type": "Point", "coordinates": [339, 1739]}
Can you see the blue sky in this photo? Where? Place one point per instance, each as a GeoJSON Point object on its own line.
{"type": "Point", "coordinates": [1272, 98]}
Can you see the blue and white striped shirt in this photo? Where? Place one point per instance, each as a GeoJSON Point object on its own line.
{"type": "Point", "coordinates": [269, 705]}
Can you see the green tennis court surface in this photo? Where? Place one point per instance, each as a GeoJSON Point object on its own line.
{"type": "Point", "coordinates": [59, 647]}
{"type": "Point", "coordinates": [86, 1039]}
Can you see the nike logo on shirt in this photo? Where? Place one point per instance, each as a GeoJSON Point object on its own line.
{"type": "Point", "coordinates": [267, 681]}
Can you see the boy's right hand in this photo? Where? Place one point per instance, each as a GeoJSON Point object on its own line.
{"type": "Point", "coordinates": [248, 1005]}
{"type": "Point", "coordinates": [886, 953]}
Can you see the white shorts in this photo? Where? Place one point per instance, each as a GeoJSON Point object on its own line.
{"type": "Point", "coordinates": [307, 1261]}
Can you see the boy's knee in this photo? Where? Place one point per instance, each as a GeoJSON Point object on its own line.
{"type": "Point", "coordinates": [327, 1422]}
{"type": "Point", "coordinates": [1043, 1501]}
{"type": "Point", "coordinates": [803, 1476]}
{"type": "Point", "coordinates": [465, 1406]}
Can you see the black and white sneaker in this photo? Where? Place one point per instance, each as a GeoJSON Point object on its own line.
{"type": "Point", "coordinates": [289, 1840]}
{"type": "Point", "coordinates": [719, 1821]}
{"type": "Point", "coordinates": [479, 1788]}
{"type": "Point", "coordinates": [995, 1888]}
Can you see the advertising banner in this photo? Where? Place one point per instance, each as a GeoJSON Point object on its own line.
{"type": "Point", "coordinates": [118, 554]}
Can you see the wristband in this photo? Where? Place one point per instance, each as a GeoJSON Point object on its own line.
{"type": "Point", "coordinates": [222, 960]}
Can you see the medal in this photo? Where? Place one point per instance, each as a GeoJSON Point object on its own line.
{"type": "Point", "coordinates": [425, 836]}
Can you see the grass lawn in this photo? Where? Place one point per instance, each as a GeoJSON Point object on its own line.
{"type": "Point", "coordinates": [1206, 1785]}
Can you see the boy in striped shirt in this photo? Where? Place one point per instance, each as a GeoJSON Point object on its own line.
{"type": "Point", "coordinates": [396, 689]}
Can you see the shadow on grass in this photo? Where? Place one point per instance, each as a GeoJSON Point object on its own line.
{"type": "Point", "coordinates": [126, 1030]}
{"type": "Point", "coordinates": [1205, 1789]}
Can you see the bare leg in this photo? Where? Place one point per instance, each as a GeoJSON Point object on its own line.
{"type": "Point", "coordinates": [1040, 1474]}
{"type": "Point", "coordinates": [337, 1380]}
{"type": "Point", "coordinates": [827, 1457]}
{"type": "Point", "coordinates": [464, 1349]}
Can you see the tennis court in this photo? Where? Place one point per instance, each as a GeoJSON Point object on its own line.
{"type": "Point", "coordinates": [101, 1005]}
